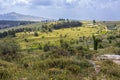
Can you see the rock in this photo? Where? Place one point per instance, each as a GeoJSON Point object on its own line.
{"type": "Point", "coordinates": [109, 57]}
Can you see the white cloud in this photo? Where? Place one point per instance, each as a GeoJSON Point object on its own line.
{"type": "Point", "coordinates": [20, 2]}
{"type": "Point", "coordinates": [98, 4]}
{"type": "Point", "coordinates": [71, 1]}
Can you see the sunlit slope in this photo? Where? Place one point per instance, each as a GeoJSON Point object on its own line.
{"type": "Point", "coordinates": [28, 40]}
{"type": "Point", "coordinates": [55, 36]}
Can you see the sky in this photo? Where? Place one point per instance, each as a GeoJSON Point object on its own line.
{"type": "Point", "coordinates": [71, 9]}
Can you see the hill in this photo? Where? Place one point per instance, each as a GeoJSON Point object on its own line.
{"type": "Point", "coordinates": [20, 17]}
{"type": "Point", "coordinates": [59, 51]}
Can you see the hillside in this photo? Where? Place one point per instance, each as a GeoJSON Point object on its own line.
{"type": "Point", "coordinates": [7, 24]}
{"type": "Point", "coordinates": [14, 19]}
{"type": "Point", "coordinates": [61, 50]}
{"type": "Point", "coordinates": [20, 17]}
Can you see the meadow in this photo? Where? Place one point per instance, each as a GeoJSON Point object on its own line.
{"type": "Point", "coordinates": [54, 37]}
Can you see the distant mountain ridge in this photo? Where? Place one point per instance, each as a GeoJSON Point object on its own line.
{"type": "Point", "coordinates": [20, 17]}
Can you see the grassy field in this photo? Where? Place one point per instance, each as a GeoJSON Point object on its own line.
{"type": "Point", "coordinates": [55, 36]}
{"type": "Point", "coordinates": [73, 33]}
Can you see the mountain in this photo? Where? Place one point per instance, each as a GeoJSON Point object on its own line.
{"type": "Point", "coordinates": [20, 17]}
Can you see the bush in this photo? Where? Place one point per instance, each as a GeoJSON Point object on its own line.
{"type": "Point", "coordinates": [26, 40]}
{"type": "Point", "coordinates": [117, 44]}
{"type": "Point", "coordinates": [64, 44]}
{"type": "Point", "coordinates": [117, 51]}
{"type": "Point", "coordinates": [56, 71]}
{"type": "Point", "coordinates": [9, 48]}
{"type": "Point", "coordinates": [111, 69]}
{"type": "Point", "coordinates": [40, 46]}
{"type": "Point", "coordinates": [111, 37]}
{"type": "Point", "coordinates": [36, 34]}
{"type": "Point", "coordinates": [46, 47]}
{"type": "Point", "coordinates": [5, 74]}
{"type": "Point", "coordinates": [43, 37]}
{"type": "Point", "coordinates": [74, 68]}
{"type": "Point", "coordinates": [85, 54]}
{"type": "Point", "coordinates": [60, 52]}
{"type": "Point", "coordinates": [6, 70]}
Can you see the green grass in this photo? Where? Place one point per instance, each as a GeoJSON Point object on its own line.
{"type": "Point", "coordinates": [54, 37]}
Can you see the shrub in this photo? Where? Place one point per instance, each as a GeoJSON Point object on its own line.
{"type": "Point", "coordinates": [74, 68]}
{"type": "Point", "coordinates": [100, 46]}
{"type": "Point", "coordinates": [6, 70]}
{"type": "Point", "coordinates": [60, 52]}
{"type": "Point", "coordinates": [111, 69]}
{"type": "Point", "coordinates": [64, 44]}
{"type": "Point", "coordinates": [36, 34]}
{"type": "Point", "coordinates": [110, 41]}
{"type": "Point", "coordinates": [117, 51]}
{"type": "Point", "coordinates": [40, 46]}
{"type": "Point", "coordinates": [50, 30]}
{"type": "Point", "coordinates": [72, 51]}
{"type": "Point", "coordinates": [85, 54]}
{"type": "Point", "coordinates": [56, 71]}
{"type": "Point", "coordinates": [118, 36]}
{"type": "Point", "coordinates": [5, 74]}
{"type": "Point", "coordinates": [111, 37]}
{"type": "Point", "coordinates": [26, 40]}
{"type": "Point", "coordinates": [46, 47]}
{"type": "Point", "coordinates": [43, 37]}
{"type": "Point", "coordinates": [118, 44]}
{"type": "Point", "coordinates": [9, 49]}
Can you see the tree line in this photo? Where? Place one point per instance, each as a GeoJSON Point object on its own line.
{"type": "Point", "coordinates": [44, 28]}
{"type": "Point", "coordinates": [12, 32]}
{"type": "Point", "coordinates": [67, 24]}
{"type": "Point", "coordinates": [7, 23]}
{"type": "Point", "coordinates": [62, 23]}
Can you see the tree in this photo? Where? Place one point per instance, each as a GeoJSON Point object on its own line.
{"type": "Point", "coordinates": [36, 34]}
{"type": "Point", "coordinates": [11, 32]}
{"type": "Point", "coordinates": [95, 43]}
{"type": "Point", "coordinates": [67, 24]}
{"type": "Point", "coordinates": [94, 22]}
{"type": "Point", "coordinates": [50, 29]}
{"type": "Point", "coordinates": [44, 28]}
{"type": "Point", "coordinates": [5, 34]}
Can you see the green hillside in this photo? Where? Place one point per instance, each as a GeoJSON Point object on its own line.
{"type": "Point", "coordinates": [61, 50]}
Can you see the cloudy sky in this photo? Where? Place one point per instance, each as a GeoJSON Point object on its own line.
{"type": "Point", "coordinates": [72, 9]}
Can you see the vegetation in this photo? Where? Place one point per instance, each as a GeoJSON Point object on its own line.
{"type": "Point", "coordinates": [13, 23]}
{"type": "Point", "coordinates": [61, 50]}
{"type": "Point", "coordinates": [67, 24]}
{"type": "Point", "coordinates": [9, 49]}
